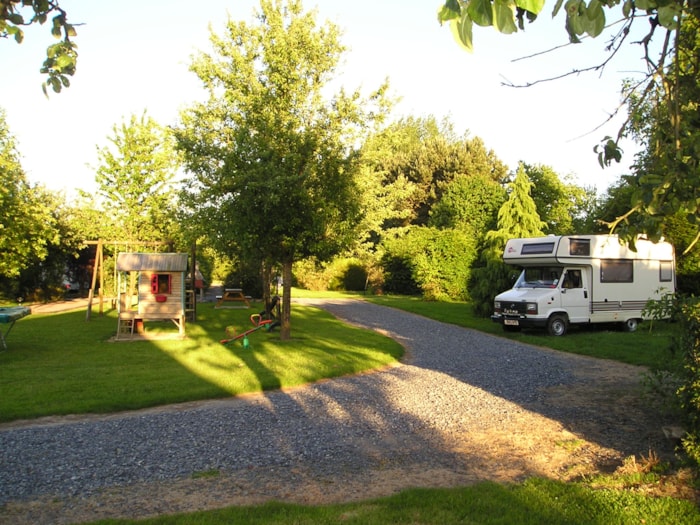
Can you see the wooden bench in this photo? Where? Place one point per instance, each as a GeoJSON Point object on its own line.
{"type": "Point", "coordinates": [232, 295]}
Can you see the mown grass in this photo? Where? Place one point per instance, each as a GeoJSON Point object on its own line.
{"type": "Point", "coordinates": [648, 346]}
{"type": "Point", "coordinates": [533, 502]}
{"type": "Point", "coordinates": [61, 364]}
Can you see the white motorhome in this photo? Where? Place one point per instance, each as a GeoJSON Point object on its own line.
{"type": "Point", "coordinates": [574, 279]}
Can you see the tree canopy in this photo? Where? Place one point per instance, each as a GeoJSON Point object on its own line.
{"type": "Point", "coordinates": [666, 90]}
{"type": "Point", "coordinates": [272, 153]}
{"type": "Point", "coordinates": [62, 56]}
{"type": "Point", "coordinates": [136, 180]}
{"type": "Point", "coordinates": [28, 225]}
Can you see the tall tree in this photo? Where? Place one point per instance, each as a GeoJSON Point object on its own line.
{"type": "Point", "coordinates": [470, 204]}
{"type": "Point", "coordinates": [136, 179]}
{"type": "Point", "coordinates": [271, 151]}
{"type": "Point", "coordinates": [426, 155]}
{"type": "Point", "coordinates": [669, 37]}
{"type": "Point", "coordinates": [667, 123]}
{"type": "Point", "coordinates": [562, 205]}
{"type": "Point", "coordinates": [517, 218]}
{"type": "Point", "coordinates": [27, 225]}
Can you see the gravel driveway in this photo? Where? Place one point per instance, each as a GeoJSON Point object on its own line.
{"type": "Point", "coordinates": [462, 407]}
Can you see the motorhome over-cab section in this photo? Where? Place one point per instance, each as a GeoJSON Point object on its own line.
{"type": "Point", "coordinates": [577, 249]}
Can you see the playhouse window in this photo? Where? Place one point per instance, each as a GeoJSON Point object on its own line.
{"type": "Point", "coordinates": [161, 283]}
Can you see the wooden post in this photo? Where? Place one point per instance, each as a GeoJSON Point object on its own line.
{"type": "Point", "coordinates": [100, 248]}
{"type": "Point", "coordinates": [88, 312]}
{"type": "Point", "coordinates": [193, 281]}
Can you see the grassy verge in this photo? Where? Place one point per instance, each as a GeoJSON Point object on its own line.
{"type": "Point", "coordinates": [535, 501]}
{"type": "Point", "coordinates": [61, 364]}
{"type": "Point", "coordinates": [644, 347]}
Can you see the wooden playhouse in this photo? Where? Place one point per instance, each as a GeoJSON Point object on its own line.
{"type": "Point", "coordinates": [151, 287]}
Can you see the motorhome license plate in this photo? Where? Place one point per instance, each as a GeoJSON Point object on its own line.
{"type": "Point", "coordinates": [510, 322]}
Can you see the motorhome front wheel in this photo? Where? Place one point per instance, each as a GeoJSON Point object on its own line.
{"type": "Point", "coordinates": [557, 325]}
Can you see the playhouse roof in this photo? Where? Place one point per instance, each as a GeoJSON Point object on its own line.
{"type": "Point", "coordinates": [159, 262]}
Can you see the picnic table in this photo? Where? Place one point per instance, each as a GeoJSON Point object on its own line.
{"type": "Point", "coordinates": [232, 295]}
{"type": "Point", "coordinates": [8, 315]}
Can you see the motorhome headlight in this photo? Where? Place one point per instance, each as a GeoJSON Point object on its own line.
{"type": "Point", "coordinates": [532, 308]}
{"type": "Point", "coordinates": [497, 306]}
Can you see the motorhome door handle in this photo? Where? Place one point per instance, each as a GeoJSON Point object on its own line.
{"type": "Point", "coordinates": [585, 294]}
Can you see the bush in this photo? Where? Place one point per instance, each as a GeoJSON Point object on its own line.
{"type": "Point", "coordinates": [343, 273]}
{"type": "Point", "coordinates": [686, 344]}
{"type": "Point", "coordinates": [355, 278]}
{"type": "Point", "coordinates": [487, 281]}
{"type": "Point", "coordinates": [436, 263]}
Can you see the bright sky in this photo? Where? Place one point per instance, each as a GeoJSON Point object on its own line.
{"type": "Point", "coordinates": [134, 56]}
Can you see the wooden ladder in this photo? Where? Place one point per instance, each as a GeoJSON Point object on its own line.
{"type": "Point", "coordinates": [126, 327]}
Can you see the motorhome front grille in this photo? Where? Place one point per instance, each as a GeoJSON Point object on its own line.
{"type": "Point", "coordinates": [513, 308]}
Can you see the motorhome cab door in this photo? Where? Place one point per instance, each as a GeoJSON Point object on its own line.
{"type": "Point", "coordinates": [575, 294]}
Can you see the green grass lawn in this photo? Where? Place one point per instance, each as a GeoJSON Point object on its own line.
{"type": "Point", "coordinates": [648, 346]}
{"type": "Point", "coordinates": [533, 502]}
{"type": "Point", "coordinates": [62, 364]}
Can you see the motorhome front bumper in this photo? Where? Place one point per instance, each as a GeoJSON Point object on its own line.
{"type": "Point", "coordinates": [519, 321]}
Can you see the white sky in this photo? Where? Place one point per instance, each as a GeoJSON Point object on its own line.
{"type": "Point", "coordinates": [134, 56]}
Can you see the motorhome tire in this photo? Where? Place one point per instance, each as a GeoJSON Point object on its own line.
{"type": "Point", "coordinates": [557, 325]}
{"type": "Point", "coordinates": [630, 325]}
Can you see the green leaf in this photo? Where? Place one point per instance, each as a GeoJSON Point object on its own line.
{"type": "Point", "coordinates": [64, 61]}
{"type": "Point", "coordinates": [504, 16]}
{"type": "Point", "coordinates": [55, 84]}
{"type": "Point", "coordinates": [16, 31]}
{"type": "Point", "coordinates": [573, 7]}
{"type": "Point", "coordinates": [595, 19]}
{"type": "Point", "coordinates": [449, 11]}
{"type": "Point", "coordinates": [645, 5]}
{"type": "Point", "coordinates": [462, 31]}
{"type": "Point", "coordinates": [16, 18]}
{"type": "Point", "coordinates": [592, 9]}
{"type": "Point", "coordinates": [481, 12]}
{"type": "Point", "coordinates": [557, 7]}
{"type": "Point", "coordinates": [669, 15]}
{"type": "Point", "coordinates": [627, 8]}
{"type": "Point", "coordinates": [531, 6]}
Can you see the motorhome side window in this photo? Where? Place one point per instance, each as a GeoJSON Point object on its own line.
{"type": "Point", "coordinates": [665, 271]}
{"type": "Point", "coordinates": [616, 271]}
{"type": "Point", "coordinates": [580, 247]}
{"type": "Point", "coordinates": [537, 248]}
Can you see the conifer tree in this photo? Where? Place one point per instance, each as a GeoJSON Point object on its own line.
{"type": "Point", "coordinates": [517, 218]}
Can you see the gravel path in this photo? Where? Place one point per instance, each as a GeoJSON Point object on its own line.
{"type": "Point", "coordinates": [462, 407]}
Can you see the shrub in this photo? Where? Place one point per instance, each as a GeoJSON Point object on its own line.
{"type": "Point", "coordinates": [686, 343]}
{"type": "Point", "coordinates": [341, 273]}
{"type": "Point", "coordinates": [433, 262]}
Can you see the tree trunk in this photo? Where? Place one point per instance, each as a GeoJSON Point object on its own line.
{"type": "Point", "coordinates": [266, 275]}
{"type": "Point", "coordinates": [286, 326]}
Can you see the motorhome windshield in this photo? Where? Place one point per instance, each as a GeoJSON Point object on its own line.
{"type": "Point", "coordinates": [539, 277]}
